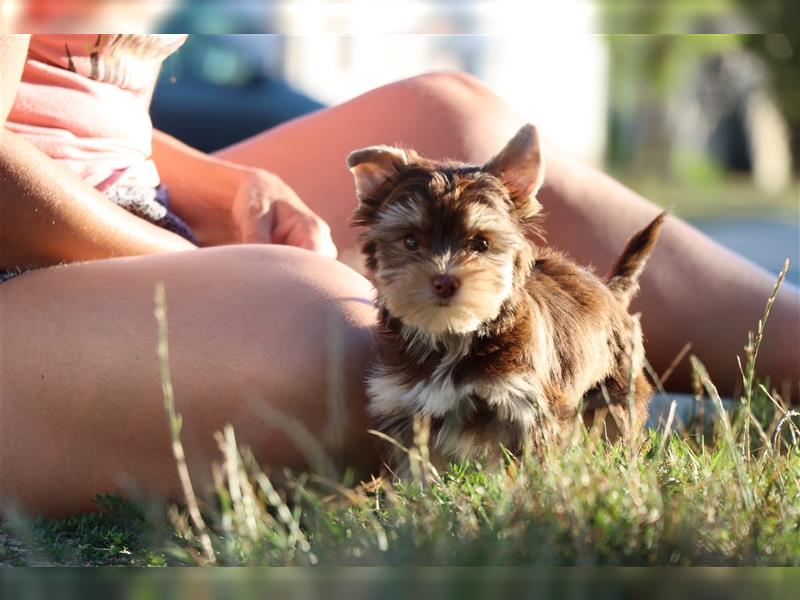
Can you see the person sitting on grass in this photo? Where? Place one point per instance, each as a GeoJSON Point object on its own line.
{"type": "Point", "coordinates": [97, 207]}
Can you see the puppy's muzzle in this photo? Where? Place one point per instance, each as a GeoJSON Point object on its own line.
{"type": "Point", "coordinates": [444, 286]}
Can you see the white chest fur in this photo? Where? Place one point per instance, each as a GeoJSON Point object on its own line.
{"type": "Point", "coordinates": [390, 394]}
{"type": "Point", "coordinates": [516, 397]}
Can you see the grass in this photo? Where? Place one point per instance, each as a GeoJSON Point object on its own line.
{"type": "Point", "coordinates": [687, 494]}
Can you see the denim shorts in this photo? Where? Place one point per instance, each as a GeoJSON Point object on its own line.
{"type": "Point", "coordinates": [150, 204]}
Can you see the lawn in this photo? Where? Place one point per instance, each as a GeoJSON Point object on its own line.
{"type": "Point", "coordinates": [685, 494]}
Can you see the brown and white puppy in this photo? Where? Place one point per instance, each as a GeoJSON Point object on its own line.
{"type": "Point", "coordinates": [495, 341]}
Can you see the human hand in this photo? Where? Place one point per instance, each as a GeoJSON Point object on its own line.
{"type": "Point", "coordinates": [266, 210]}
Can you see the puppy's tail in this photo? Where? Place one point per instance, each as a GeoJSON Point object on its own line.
{"type": "Point", "coordinates": [624, 279]}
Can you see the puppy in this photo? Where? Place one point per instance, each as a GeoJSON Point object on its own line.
{"type": "Point", "coordinates": [493, 340]}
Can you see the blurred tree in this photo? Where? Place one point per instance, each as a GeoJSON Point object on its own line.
{"type": "Point", "coordinates": [649, 69]}
{"type": "Point", "coordinates": [779, 49]}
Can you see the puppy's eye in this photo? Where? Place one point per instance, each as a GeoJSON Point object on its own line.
{"type": "Point", "coordinates": [411, 242]}
{"type": "Point", "coordinates": [479, 244]}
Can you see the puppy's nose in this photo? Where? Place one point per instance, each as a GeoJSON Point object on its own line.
{"type": "Point", "coordinates": [444, 286]}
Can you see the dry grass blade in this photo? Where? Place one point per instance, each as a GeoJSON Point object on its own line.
{"type": "Point", "coordinates": [420, 460]}
{"type": "Point", "coordinates": [675, 362]}
{"type": "Point", "coordinates": [420, 465]}
{"type": "Point", "coordinates": [361, 502]}
{"type": "Point", "coordinates": [296, 535]}
{"type": "Point", "coordinates": [233, 489]}
{"type": "Point", "coordinates": [309, 444]}
{"type": "Point", "coordinates": [633, 358]}
{"type": "Point", "coordinates": [245, 506]}
{"type": "Point", "coordinates": [787, 417]}
{"type": "Point", "coordinates": [665, 436]}
{"type": "Point", "coordinates": [761, 433]}
{"type": "Point", "coordinates": [795, 431]}
{"type": "Point", "coordinates": [609, 407]}
{"type": "Point", "coordinates": [659, 383]}
{"type": "Point", "coordinates": [727, 431]}
{"type": "Point", "coordinates": [388, 438]}
{"type": "Point", "coordinates": [162, 349]}
{"type": "Point", "coordinates": [778, 405]}
{"type": "Point", "coordinates": [246, 495]}
{"type": "Point", "coordinates": [751, 350]}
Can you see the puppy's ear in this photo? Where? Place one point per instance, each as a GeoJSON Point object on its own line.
{"type": "Point", "coordinates": [372, 166]}
{"type": "Point", "coordinates": [521, 167]}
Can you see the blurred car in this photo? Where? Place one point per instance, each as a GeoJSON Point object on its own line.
{"type": "Point", "coordinates": [216, 90]}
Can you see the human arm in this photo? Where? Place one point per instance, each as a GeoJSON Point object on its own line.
{"type": "Point", "coordinates": [50, 216]}
{"type": "Point", "coordinates": [225, 203]}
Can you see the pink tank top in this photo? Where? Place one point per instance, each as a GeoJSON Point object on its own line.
{"type": "Point", "coordinates": [84, 101]}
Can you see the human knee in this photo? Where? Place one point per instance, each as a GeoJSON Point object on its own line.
{"type": "Point", "coordinates": [318, 303]}
{"type": "Point", "coordinates": [477, 121]}
{"type": "Point", "coordinates": [306, 342]}
{"type": "Point", "coordinates": [451, 82]}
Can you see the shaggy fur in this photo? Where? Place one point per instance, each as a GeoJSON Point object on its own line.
{"type": "Point", "coordinates": [495, 341]}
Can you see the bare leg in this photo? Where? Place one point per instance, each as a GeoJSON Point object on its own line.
{"type": "Point", "coordinates": [693, 289]}
{"type": "Point", "coordinates": [437, 114]}
{"type": "Point", "coordinates": [80, 399]}
{"type": "Point", "coordinates": [81, 410]}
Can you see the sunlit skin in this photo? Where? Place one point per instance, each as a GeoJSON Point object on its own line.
{"type": "Point", "coordinates": [81, 407]}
